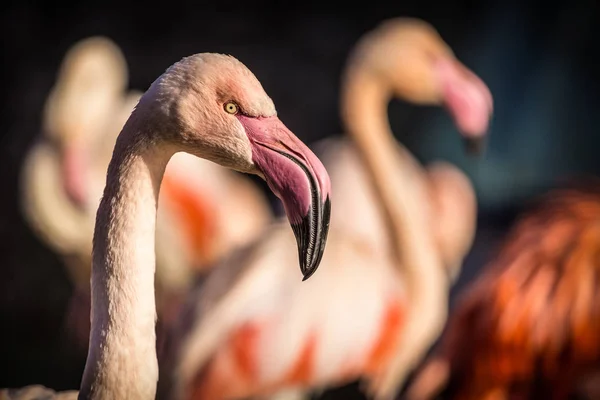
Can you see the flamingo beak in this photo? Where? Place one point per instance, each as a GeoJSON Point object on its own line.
{"type": "Point", "coordinates": [469, 101]}
{"type": "Point", "coordinates": [73, 170]}
{"type": "Point", "coordinates": [474, 145]}
{"type": "Point", "coordinates": [299, 179]}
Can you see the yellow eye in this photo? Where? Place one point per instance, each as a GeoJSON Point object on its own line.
{"type": "Point", "coordinates": [231, 108]}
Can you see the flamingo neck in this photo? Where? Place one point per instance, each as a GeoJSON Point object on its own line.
{"type": "Point", "coordinates": [400, 185]}
{"type": "Point", "coordinates": [394, 173]}
{"type": "Point", "coordinates": [122, 361]}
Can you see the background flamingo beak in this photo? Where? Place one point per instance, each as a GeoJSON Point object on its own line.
{"type": "Point", "coordinates": [74, 163]}
{"type": "Point", "coordinates": [475, 146]}
{"type": "Point", "coordinates": [469, 101]}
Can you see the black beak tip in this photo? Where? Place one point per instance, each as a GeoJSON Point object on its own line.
{"type": "Point", "coordinates": [308, 264]}
{"type": "Point", "coordinates": [308, 274]}
{"type": "Point", "coordinates": [475, 146]}
{"type": "Point", "coordinates": [311, 256]}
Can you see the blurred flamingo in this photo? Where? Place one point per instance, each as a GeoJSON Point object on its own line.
{"type": "Point", "coordinates": [205, 210]}
{"type": "Point", "coordinates": [36, 392]}
{"type": "Point", "coordinates": [239, 129]}
{"type": "Point", "coordinates": [529, 326]}
{"type": "Point", "coordinates": [252, 329]}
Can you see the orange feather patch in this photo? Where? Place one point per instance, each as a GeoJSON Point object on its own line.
{"type": "Point", "coordinates": [197, 216]}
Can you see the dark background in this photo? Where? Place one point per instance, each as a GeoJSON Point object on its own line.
{"type": "Point", "coordinates": [539, 59]}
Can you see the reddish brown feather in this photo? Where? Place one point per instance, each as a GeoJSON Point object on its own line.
{"type": "Point", "coordinates": [232, 371]}
{"type": "Point", "coordinates": [196, 215]}
{"type": "Point", "coordinates": [386, 342]}
{"type": "Point", "coordinates": [530, 324]}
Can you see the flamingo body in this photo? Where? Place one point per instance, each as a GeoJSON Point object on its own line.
{"type": "Point", "coordinates": [531, 320]}
{"type": "Point", "coordinates": [252, 328]}
{"type": "Point", "coordinates": [302, 335]}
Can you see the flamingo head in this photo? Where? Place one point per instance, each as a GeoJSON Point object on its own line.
{"type": "Point", "coordinates": [410, 57]}
{"type": "Point", "coordinates": [90, 82]}
{"type": "Point", "coordinates": [223, 114]}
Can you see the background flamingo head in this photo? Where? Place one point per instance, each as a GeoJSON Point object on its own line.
{"type": "Point", "coordinates": [409, 56]}
{"type": "Point", "coordinates": [91, 82]}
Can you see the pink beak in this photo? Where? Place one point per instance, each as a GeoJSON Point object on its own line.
{"type": "Point", "coordinates": [299, 179]}
{"type": "Point", "coordinates": [73, 170]}
{"type": "Point", "coordinates": [468, 100]}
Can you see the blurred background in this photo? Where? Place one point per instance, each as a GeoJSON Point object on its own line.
{"type": "Point", "coordinates": [539, 59]}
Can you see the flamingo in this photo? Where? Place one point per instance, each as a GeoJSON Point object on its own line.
{"type": "Point", "coordinates": [202, 215]}
{"type": "Point", "coordinates": [212, 106]}
{"type": "Point", "coordinates": [251, 330]}
{"type": "Point", "coordinates": [528, 326]}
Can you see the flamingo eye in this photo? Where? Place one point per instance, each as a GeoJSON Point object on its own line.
{"type": "Point", "coordinates": [231, 108]}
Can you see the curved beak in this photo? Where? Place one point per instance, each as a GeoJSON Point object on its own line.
{"type": "Point", "coordinates": [469, 101]}
{"type": "Point", "coordinates": [299, 179]}
{"type": "Point", "coordinates": [475, 145]}
{"type": "Point", "coordinates": [73, 164]}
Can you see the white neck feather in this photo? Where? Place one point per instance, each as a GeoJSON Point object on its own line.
{"type": "Point", "coordinates": [122, 362]}
{"type": "Point", "coordinates": [405, 202]}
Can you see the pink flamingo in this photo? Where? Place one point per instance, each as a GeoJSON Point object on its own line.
{"type": "Point", "coordinates": [206, 210]}
{"type": "Point", "coordinates": [251, 329]}
{"type": "Point", "coordinates": [213, 107]}
{"type": "Point", "coordinates": [527, 327]}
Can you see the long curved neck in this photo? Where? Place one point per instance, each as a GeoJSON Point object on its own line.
{"type": "Point", "coordinates": [395, 174]}
{"type": "Point", "coordinates": [122, 362]}
{"type": "Point", "coordinates": [399, 183]}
